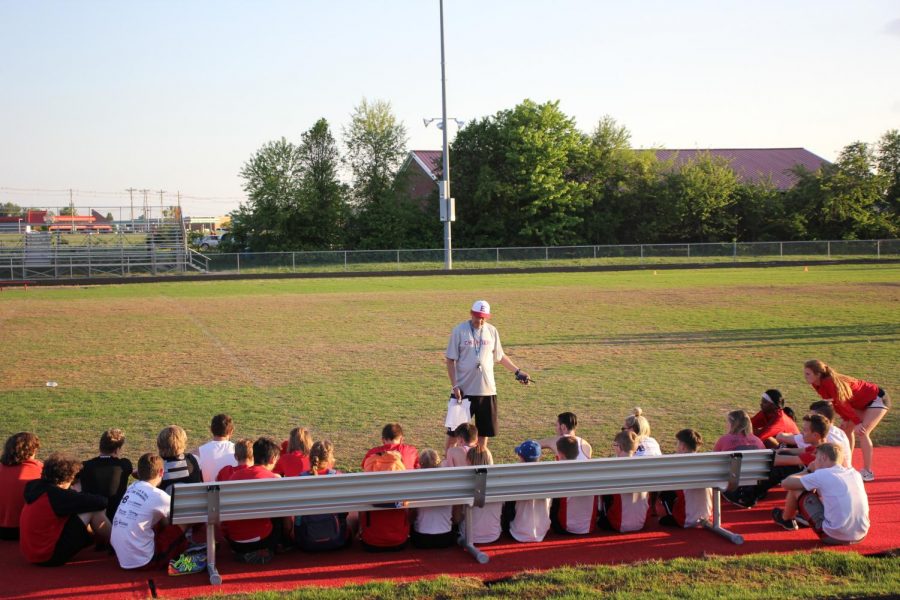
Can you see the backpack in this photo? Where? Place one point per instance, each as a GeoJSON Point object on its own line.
{"type": "Point", "coordinates": [321, 532]}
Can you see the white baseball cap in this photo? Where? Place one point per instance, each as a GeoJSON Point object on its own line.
{"type": "Point", "coordinates": [482, 309]}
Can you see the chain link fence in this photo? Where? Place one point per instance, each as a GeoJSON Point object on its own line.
{"type": "Point", "coordinates": [544, 256]}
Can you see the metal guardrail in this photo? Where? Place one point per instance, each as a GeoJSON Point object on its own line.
{"type": "Point", "coordinates": [467, 486]}
{"type": "Point", "coordinates": [427, 259]}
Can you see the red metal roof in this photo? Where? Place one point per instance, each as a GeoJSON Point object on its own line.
{"type": "Point", "coordinates": [755, 165]}
{"type": "Point", "coordinates": [751, 165]}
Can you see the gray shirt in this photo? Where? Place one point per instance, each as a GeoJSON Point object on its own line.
{"type": "Point", "coordinates": [473, 348]}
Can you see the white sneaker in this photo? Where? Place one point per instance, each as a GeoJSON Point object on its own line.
{"type": "Point", "coordinates": [867, 475]}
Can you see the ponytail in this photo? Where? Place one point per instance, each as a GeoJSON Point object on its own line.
{"type": "Point", "coordinates": [739, 423]}
{"type": "Point", "coordinates": [321, 454]}
{"type": "Point", "coordinates": [841, 382]}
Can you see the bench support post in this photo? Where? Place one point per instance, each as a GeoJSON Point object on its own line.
{"type": "Point", "coordinates": [212, 519]}
{"type": "Point", "coordinates": [466, 537]}
{"type": "Point", "coordinates": [716, 524]}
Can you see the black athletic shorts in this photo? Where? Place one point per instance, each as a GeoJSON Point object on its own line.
{"type": "Point", "coordinates": [73, 539]}
{"type": "Point", "coordinates": [484, 410]}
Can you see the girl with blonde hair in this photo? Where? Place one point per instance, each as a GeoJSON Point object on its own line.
{"type": "Point", "coordinates": [638, 423]}
{"type": "Point", "coordinates": [294, 459]}
{"type": "Point", "coordinates": [739, 435]}
{"type": "Point", "coordinates": [860, 404]}
{"type": "Point", "coordinates": [432, 526]}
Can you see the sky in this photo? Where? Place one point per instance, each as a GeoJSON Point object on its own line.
{"type": "Point", "coordinates": [104, 95]}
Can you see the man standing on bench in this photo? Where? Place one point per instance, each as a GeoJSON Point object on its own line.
{"type": "Point", "coordinates": [473, 349]}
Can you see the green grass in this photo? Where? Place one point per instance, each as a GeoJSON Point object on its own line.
{"type": "Point", "coordinates": [814, 575]}
{"type": "Point", "coordinates": [345, 356]}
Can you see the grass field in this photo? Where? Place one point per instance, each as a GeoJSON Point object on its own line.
{"type": "Point", "coordinates": [815, 576]}
{"type": "Point", "coordinates": [343, 357]}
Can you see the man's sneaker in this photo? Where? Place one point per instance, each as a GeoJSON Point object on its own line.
{"type": "Point", "coordinates": [738, 499]}
{"type": "Point", "coordinates": [867, 475]}
{"type": "Point", "coordinates": [801, 521]}
{"type": "Point", "coordinates": [257, 557]}
{"type": "Point", "coordinates": [778, 517]}
{"type": "Point", "coordinates": [187, 564]}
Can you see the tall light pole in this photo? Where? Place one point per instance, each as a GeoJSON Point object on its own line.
{"type": "Point", "coordinates": [448, 210]}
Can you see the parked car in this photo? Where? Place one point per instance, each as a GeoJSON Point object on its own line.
{"type": "Point", "coordinates": [208, 241]}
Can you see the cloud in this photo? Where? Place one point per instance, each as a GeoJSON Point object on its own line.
{"type": "Point", "coordinates": [893, 28]}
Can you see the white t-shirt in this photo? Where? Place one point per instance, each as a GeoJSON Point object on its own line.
{"type": "Point", "coordinates": [835, 435]}
{"type": "Point", "coordinates": [473, 348]}
{"type": "Point", "coordinates": [577, 514]}
{"type": "Point", "coordinates": [132, 537]}
{"type": "Point", "coordinates": [628, 511]}
{"type": "Point", "coordinates": [648, 447]}
{"type": "Point", "coordinates": [844, 497]}
{"type": "Point", "coordinates": [486, 523]}
{"type": "Point", "coordinates": [214, 455]}
{"type": "Point", "coordinates": [434, 520]}
{"type": "Point", "coordinates": [532, 520]}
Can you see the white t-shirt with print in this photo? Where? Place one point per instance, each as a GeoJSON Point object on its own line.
{"type": "Point", "coordinates": [473, 348]}
{"type": "Point", "coordinates": [132, 537]}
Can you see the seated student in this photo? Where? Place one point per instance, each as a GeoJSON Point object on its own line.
{"type": "Point", "coordinates": [384, 530]}
{"type": "Point", "coordinates": [624, 512]}
{"type": "Point", "coordinates": [328, 531]}
{"type": "Point", "coordinates": [219, 451]}
{"type": "Point", "coordinates": [254, 540]}
{"type": "Point", "coordinates": [527, 520]}
{"type": "Point", "coordinates": [740, 434]}
{"type": "Point", "coordinates": [687, 508]}
{"type": "Point", "coordinates": [432, 525]}
{"type": "Point", "coordinates": [392, 439]}
{"type": "Point", "coordinates": [107, 475]}
{"type": "Point", "coordinates": [243, 456]}
{"type": "Point", "coordinates": [141, 535]}
{"type": "Point", "coordinates": [18, 466]}
{"type": "Point", "coordinates": [179, 466]}
{"type": "Point", "coordinates": [565, 425]}
{"type": "Point", "coordinates": [57, 521]}
{"type": "Point", "coordinates": [486, 527]}
{"type": "Point", "coordinates": [836, 435]}
{"type": "Point", "coordinates": [294, 458]}
{"type": "Point", "coordinates": [788, 461]}
{"type": "Point", "coordinates": [772, 419]}
{"type": "Point", "coordinates": [831, 499]}
{"type": "Point", "coordinates": [466, 438]}
{"type": "Point", "coordinates": [638, 423]}
{"type": "Point", "coordinates": [576, 514]}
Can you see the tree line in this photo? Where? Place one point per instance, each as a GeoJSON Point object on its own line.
{"type": "Point", "coordinates": [529, 176]}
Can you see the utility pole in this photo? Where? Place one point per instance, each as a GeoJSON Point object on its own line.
{"type": "Point", "coordinates": [131, 192]}
{"type": "Point", "coordinates": [161, 192]}
{"type": "Point", "coordinates": [71, 211]}
{"type": "Point", "coordinates": [146, 209]}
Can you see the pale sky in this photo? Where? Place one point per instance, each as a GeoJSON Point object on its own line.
{"type": "Point", "coordinates": [100, 96]}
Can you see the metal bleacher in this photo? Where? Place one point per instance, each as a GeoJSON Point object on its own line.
{"type": "Point", "coordinates": [160, 248]}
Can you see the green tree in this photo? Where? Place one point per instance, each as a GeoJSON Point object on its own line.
{"type": "Point", "coordinates": [697, 201]}
{"type": "Point", "coordinates": [10, 210]}
{"type": "Point", "coordinates": [272, 181]}
{"type": "Point", "coordinates": [319, 224]}
{"type": "Point", "coordinates": [516, 176]}
{"type": "Point", "coordinates": [376, 146]}
{"type": "Point", "coordinates": [887, 158]}
{"type": "Point", "coordinates": [620, 188]}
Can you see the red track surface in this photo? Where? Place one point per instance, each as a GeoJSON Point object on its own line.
{"type": "Point", "coordinates": [96, 575]}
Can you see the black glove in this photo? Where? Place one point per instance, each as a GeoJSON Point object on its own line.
{"type": "Point", "coordinates": [522, 377]}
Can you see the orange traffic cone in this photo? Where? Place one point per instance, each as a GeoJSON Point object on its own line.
{"type": "Point", "coordinates": [806, 269]}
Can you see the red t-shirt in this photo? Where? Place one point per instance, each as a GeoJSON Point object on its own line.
{"type": "Point", "coordinates": [249, 529]}
{"type": "Point", "coordinates": [292, 464]}
{"type": "Point", "coordinates": [12, 489]}
{"type": "Point", "coordinates": [43, 528]}
{"type": "Point", "coordinates": [862, 393]}
{"type": "Point", "coordinates": [768, 426]}
{"type": "Point", "coordinates": [409, 454]}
